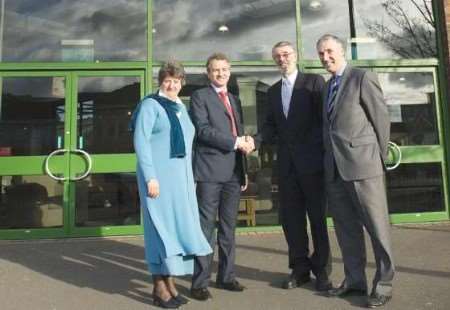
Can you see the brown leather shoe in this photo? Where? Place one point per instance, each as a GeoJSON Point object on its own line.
{"type": "Point", "coordinates": [201, 293]}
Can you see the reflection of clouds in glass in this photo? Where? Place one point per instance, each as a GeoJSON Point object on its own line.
{"type": "Point", "coordinates": [406, 87]}
{"type": "Point", "coordinates": [118, 28]}
{"type": "Point", "coordinates": [407, 81]}
{"type": "Point", "coordinates": [249, 24]}
{"type": "Point", "coordinates": [104, 84]}
{"type": "Point", "coordinates": [35, 87]}
{"type": "Point", "coordinates": [333, 18]}
{"type": "Point", "coordinates": [375, 14]}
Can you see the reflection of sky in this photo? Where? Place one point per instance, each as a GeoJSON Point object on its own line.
{"type": "Point", "coordinates": [34, 29]}
{"type": "Point", "coordinates": [104, 84]}
{"type": "Point", "coordinates": [253, 27]}
{"type": "Point", "coordinates": [406, 87]}
{"type": "Point", "coordinates": [372, 10]}
{"type": "Point", "coordinates": [332, 17]}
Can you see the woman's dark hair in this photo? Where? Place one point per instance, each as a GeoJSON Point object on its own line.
{"type": "Point", "coordinates": [172, 68]}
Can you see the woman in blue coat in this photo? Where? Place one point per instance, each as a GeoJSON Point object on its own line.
{"type": "Point", "coordinates": [163, 136]}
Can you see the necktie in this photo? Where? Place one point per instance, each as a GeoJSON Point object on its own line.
{"type": "Point", "coordinates": [334, 86]}
{"type": "Point", "coordinates": [224, 98]}
{"type": "Point", "coordinates": [285, 96]}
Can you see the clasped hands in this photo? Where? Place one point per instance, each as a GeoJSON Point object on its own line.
{"type": "Point", "coordinates": [245, 144]}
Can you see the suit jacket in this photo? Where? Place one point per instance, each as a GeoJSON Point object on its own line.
{"type": "Point", "coordinates": [299, 136]}
{"type": "Point", "coordinates": [215, 158]}
{"type": "Point", "coordinates": [357, 134]}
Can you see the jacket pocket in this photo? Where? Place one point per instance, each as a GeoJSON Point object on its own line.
{"type": "Point", "coordinates": [363, 140]}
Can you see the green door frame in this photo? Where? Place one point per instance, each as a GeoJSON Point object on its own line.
{"type": "Point", "coordinates": [69, 164]}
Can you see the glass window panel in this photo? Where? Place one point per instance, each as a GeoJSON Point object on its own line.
{"type": "Point", "coordinates": [410, 97]}
{"type": "Point", "coordinates": [394, 29]}
{"type": "Point", "coordinates": [107, 199]}
{"type": "Point", "coordinates": [105, 105]}
{"type": "Point", "coordinates": [415, 188]}
{"type": "Point", "coordinates": [319, 17]}
{"type": "Point", "coordinates": [243, 29]}
{"type": "Point", "coordinates": [64, 30]}
{"type": "Point", "coordinates": [31, 115]}
{"type": "Point", "coordinates": [30, 202]}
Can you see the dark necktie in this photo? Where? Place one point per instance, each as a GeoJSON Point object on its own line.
{"type": "Point", "coordinates": [334, 86]}
{"type": "Point", "coordinates": [226, 102]}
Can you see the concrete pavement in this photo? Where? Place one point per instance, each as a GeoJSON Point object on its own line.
{"type": "Point", "coordinates": [111, 273]}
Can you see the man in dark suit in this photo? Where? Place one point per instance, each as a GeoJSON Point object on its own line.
{"type": "Point", "coordinates": [356, 135]}
{"type": "Point", "coordinates": [294, 123]}
{"type": "Point", "coordinates": [219, 170]}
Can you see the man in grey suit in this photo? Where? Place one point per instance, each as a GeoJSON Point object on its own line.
{"type": "Point", "coordinates": [356, 134]}
{"type": "Point", "coordinates": [219, 170]}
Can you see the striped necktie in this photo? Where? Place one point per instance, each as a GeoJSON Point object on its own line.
{"type": "Point", "coordinates": [334, 86]}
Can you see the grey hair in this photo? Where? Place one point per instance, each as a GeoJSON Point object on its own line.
{"type": "Point", "coordinates": [336, 39]}
{"type": "Point", "coordinates": [283, 44]}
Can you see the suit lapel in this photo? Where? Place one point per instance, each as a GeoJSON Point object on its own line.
{"type": "Point", "coordinates": [296, 104]}
{"type": "Point", "coordinates": [216, 100]}
{"type": "Point", "coordinates": [279, 103]}
{"type": "Point", "coordinates": [234, 107]}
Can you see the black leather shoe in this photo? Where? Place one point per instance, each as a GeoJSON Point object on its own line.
{"type": "Point", "coordinates": [181, 299]}
{"type": "Point", "coordinates": [344, 291]}
{"type": "Point", "coordinates": [323, 284]}
{"type": "Point", "coordinates": [233, 286]}
{"type": "Point", "coordinates": [201, 293]}
{"type": "Point", "coordinates": [169, 304]}
{"type": "Point", "coordinates": [294, 281]}
{"type": "Point", "coordinates": [376, 300]}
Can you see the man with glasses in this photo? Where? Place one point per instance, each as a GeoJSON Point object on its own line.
{"type": "Point", "coordinates": [294, 123]}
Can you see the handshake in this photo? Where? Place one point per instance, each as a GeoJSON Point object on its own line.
{"type": "Point", "coordinates": [245, 144]}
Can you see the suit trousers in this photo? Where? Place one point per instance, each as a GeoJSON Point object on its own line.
{"type": "Point", "coordinates": [354, 205]}
{"type": "Point", "coordinates": [217, 200]}
{"type": "Point", "coordinates": [300, 196]}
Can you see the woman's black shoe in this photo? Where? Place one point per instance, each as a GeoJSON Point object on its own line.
{"type": "Point", "coordinates": [181, 299]}
{"type": "Point", "coordinates": [169, 304]}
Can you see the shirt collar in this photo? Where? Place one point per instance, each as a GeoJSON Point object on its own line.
{"type": "Point", "coordinates": [162, 94]}
{"type": "Point", "coordinates": [341, 70]}
{"type": "Point", "coordinates": [219, 89]}
{"type": "Point", "coordinates": [291, 77]}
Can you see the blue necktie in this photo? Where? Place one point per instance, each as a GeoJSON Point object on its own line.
{"type": "Point", "coordinates": [334, 86]}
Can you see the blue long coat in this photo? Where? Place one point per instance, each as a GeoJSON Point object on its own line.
{"type": "Point", "coordinates": [172, 231]}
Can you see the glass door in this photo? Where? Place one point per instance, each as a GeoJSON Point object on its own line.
{"type": "Point", "coordinates": [104, 196]}
{"type": "Point", "coordinates": [66, 156]}
{"type": "Point", "coordinates": [34, 122]}
{"type": "Point", "coordinates": [417, 188]}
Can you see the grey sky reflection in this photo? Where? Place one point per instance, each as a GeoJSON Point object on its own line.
{"type": "Point", "coordinates": [33, 30]}
{"type": "Point", "coordinates": [189, 29]}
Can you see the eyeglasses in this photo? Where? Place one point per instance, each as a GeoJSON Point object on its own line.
{"type": "Point", "coordinates": [283, 55]}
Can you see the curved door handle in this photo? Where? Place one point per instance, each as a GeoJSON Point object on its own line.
{"type": "Point", "coordinates": [395, 148]}
{"type": "Point", "coordinates": [47, 168]}
{"type": "Point", "coordinates": [89, 162]}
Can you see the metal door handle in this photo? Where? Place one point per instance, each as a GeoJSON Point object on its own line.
{"type": "Point", "coordinates": [396, 148]}
{"type": "Point", "coordinates": [89, 162]}
{"type": "Point", "coordinates": [47, 168]}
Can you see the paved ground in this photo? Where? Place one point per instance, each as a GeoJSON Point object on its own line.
{"type": "Point", "coordinates": [97, 274]}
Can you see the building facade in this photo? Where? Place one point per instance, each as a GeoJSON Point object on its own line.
{"type": "Point", "coordinates": [72, 72]}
